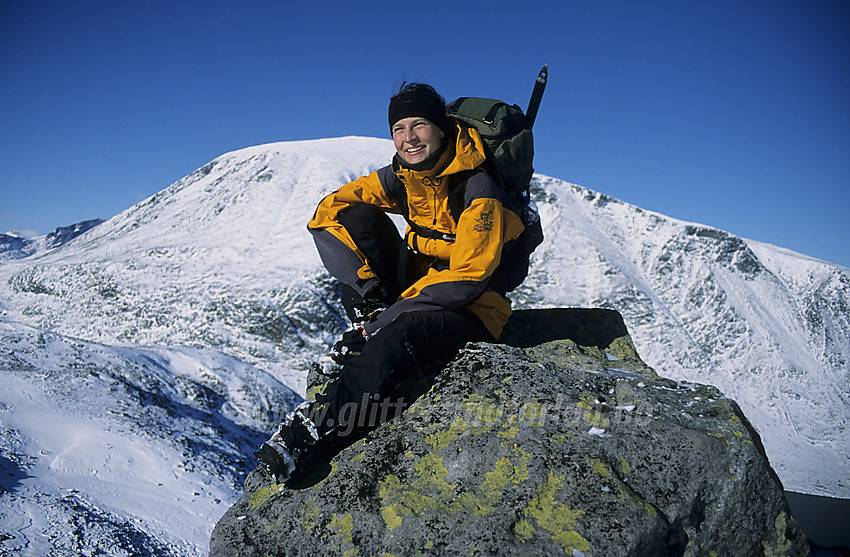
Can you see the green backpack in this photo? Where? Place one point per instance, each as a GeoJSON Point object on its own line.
{"type": "Point", "coordinates": [509, 146]}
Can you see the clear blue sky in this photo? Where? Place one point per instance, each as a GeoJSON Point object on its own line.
{"type": "Point", "coordinates": [734, 114]}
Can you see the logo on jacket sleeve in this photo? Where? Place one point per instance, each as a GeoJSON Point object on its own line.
{"type": "Point", "coordinates": [484, 222]}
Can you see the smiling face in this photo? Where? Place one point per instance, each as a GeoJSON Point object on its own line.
{"type": "Point", "coordinates": [416, 139]}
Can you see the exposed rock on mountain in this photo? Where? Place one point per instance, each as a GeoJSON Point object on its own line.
{"type": "Point", "coordinates": [65, 234]}
{"type": "Point", "coordinates": [12, 245]}
{"type": "Point", "coordinates": [572, 446]}
{"type": "Point", "coordinates": [15, 246]}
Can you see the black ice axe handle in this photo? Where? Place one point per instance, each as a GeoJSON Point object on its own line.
{"type": "Point", "coordinates": [537, 94]}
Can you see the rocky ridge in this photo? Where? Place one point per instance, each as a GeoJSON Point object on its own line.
{"type": "Point", "coordinates": [15, 246]}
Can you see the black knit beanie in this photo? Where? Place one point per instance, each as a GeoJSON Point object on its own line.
{"type": "Point", "coordinates": [419, 100]}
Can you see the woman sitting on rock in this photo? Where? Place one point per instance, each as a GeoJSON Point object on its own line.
{"type": "Point", "coordinates": [412, 300]}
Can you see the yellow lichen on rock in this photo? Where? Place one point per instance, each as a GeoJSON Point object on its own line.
{"type": "Point", "coordinates": [343, 525]}
{"type": "Point", "coordinates": [429, 490]}
{"type": "Point", "coordinates": [506, 473]}
{"type": "Point", "coordinates": [262, 495]}
{"type": "Point", "coordinates": [781, 545]}
{"type": "Point", "coordinates": [556, 518]}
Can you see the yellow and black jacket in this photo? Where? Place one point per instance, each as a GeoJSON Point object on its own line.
{"type": "Point", "coordinates": [454, 269]}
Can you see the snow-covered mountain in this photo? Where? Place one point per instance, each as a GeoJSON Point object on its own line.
{"type": "Point", "coordinates": [174, 331]}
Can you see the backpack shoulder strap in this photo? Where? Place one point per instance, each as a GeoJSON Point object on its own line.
{"type": "Point", "coordinates": [457, 192]}
{"type": "Point", "coordinates": [392, 185]}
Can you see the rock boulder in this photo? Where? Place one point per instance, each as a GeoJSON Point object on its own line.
{"type": "Point", "coordinates": [560, 442]}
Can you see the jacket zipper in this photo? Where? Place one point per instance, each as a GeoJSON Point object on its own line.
{"type": "Point", "coordinates": [434, 214]}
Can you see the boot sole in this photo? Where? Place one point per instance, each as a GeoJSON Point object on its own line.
{"type": "Point", "coordinates": [277, 466]}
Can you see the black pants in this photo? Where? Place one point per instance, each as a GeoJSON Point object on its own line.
{"type": "Point", "coordinates": [373, 386]}
{"type": "Point", "coordinates": [400, 352]}
{"type": "Point", "coordinates": [378, 239]}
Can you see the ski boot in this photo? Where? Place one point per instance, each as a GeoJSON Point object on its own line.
{"type": "Point", "coordinates": [284, 451]}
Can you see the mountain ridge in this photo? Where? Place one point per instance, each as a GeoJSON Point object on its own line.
{"type": "Point", "coordinates": [15, 246]}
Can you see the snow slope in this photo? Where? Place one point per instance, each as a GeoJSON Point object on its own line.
{"type": "Point", "coordinates": [143, 361]}
{"type": "Point", "coordinates": [126, 449]}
